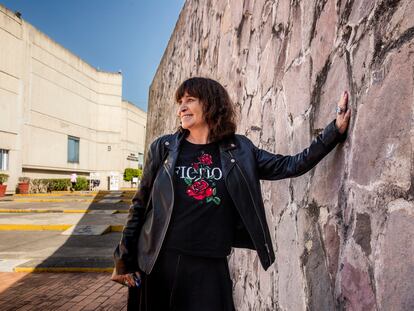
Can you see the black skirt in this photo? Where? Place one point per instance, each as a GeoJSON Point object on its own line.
{"type": "Point", "coordinates": [184, 283]}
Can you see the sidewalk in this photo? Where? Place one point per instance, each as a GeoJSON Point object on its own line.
{"type": "Point", "coordinates": [65, 237]}
{"type": "Point", "coordinates": [60, 291]}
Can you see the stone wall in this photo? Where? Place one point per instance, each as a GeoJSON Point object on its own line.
{"type": "Point", "coordinates": [343, 233]}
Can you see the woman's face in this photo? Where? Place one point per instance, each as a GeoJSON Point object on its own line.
{"type": "Point", "coordinates": [190, 112]}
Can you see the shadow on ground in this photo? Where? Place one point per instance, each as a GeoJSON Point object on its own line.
{"type": "Point", "coordinates": [81, 250]}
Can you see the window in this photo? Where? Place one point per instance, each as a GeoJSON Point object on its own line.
{"type": "Point", "coordinates": [73, 149]}
{"type": "Point", "coordinates": [140, 160]}
{"type": "Point", "coordinates": [4, 160]}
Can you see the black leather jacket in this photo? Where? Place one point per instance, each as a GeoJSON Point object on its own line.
{"type": "Point", "coordinates": [243, 166]}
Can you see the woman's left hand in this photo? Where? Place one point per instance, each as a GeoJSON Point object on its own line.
{"type": "Point", "coordinates": [343, 116]}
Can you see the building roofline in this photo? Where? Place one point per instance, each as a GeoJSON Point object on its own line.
{"type": "Point", "coordinates": [132, 104]}
{"type": "Point", "coordinates": [12, 14]}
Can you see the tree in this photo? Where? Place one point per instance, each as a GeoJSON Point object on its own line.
{"type": "Point", "coordinates": [130, 173]}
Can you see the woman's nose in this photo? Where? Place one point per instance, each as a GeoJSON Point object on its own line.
{"type": "Point", "coordinates": [180, 109]}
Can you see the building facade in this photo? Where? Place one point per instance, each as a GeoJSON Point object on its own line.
{"type": "Point", "coordinates": [58, 114]}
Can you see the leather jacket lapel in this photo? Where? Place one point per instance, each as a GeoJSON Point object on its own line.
{"type": "Point", "coordinates": [172, 145]}
{"type": "Point", "coordinates": [227, 160]}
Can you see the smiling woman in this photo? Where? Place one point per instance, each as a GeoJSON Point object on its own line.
{"type": "Point", "coordinates": [190, 112]}
{"type": "Point", "coordinates": [209, 107]}
{"type": "Point", "coordinates": [200, 196]}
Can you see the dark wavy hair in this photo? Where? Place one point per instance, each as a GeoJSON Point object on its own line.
{"type": "Point", "coordinates": [218, 109]}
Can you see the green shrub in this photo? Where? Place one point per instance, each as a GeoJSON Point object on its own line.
{"type": "Point", "coordinates": [3, 178]}
{"type": "Point", "coordinates": [49, 184]}
{"type": "Point", "coordinates": [24, 179]}
{"type": "Point", "coordinates": [37, 186]}
{"type": "Point", "coordinates": [82, 184]}
{"type": "Point", "coordinates": [129, 173]}
{"type": "Point", "coordinates": [58, 184]}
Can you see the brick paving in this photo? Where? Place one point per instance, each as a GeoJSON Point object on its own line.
{"type": "Point", "coordinates": [60, 292]}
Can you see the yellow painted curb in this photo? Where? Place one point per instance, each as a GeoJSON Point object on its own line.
{"type": "Point", "coordinates": [52, 200]}
{"type": "Point", "coordinates": [57, 194]}
{"type": "Point", "coordinates": [29, 211]}
{"type": "Point", "coordinates": [38, 200]}
{"type": "Point", "coordinates": [67, 200]}
{"type": "Point", "coordinates": [27, 227]}
{"type": "Point", "coordinates": [68, 211]}
{"type": "Point", "coordinates": [61, 269]}
{"type": "Point", "coordinates": [116, 228]}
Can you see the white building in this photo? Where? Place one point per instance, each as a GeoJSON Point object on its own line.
{"type": "Point", "coordinates": [58, 114]}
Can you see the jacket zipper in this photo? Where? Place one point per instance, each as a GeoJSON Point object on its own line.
{"type": "Point", "coordinates": [167, 223]}
{"type": "Point", "coordinates": [255, 209]}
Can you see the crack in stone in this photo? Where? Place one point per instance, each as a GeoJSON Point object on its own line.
{"type": "Point", "coordinates": [319, 6]}
{"type": "Point", "coordinates": [239, 29]}
{"type": "Point", "coordinates": [381, 49]}
{"type": "Point", "coordinates": [316, 92]}
{"type": "Point", "coordinates": [347, 11]}
{"type": "Point", "coordinates": [383, 12]}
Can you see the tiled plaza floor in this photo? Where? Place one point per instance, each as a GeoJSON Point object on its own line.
{"type": "Point", "coordinates": [60, 291]}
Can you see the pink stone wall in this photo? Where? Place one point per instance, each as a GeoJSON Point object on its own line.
{"type": "Point", "coordinates": [344, 232]}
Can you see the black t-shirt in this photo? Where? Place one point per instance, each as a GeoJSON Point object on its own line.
{"type": "Point", "coordinates": [203, 215]}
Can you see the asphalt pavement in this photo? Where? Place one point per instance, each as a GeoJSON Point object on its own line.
{"type": "Point", "coordinates": [61, 233]}
{"type": "Point", "coordinates": [56, 251]}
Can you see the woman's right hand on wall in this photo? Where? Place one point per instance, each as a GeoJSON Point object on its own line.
{"type": "Point", "coordinates": [343, 116]}
{"type": "Point", "coordinates": [127, 279]}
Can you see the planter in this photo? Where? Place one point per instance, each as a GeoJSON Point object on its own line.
{"type": "Point", "coordinates": [2, 190]}
{"type": "Point", "coordinates": [23, 187]}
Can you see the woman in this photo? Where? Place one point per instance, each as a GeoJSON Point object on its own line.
{"type": "Point", "coordinates": [199, 197]}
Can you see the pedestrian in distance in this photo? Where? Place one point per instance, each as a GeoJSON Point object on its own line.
{"type": "Point", "coordinates": [73, 180]}
{"type": "Point", "coordinates": [198, 198]}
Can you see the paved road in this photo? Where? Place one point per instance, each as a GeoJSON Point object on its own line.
{"type": "Point", "coordinates": [60, 291]}
{"type": "Point", "coordinates": [68, 205]}
{"type": "Point", "coordinates": [22, 250]}
{"type": "Point", "coordinates": [24, 247]}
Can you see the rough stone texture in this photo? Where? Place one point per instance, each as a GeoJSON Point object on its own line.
{"type": "Point", "coordinates": [343, 232]}
{"type": "Point", "coordinates": [395, 268]}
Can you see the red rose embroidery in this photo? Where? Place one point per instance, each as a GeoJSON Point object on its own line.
{"type": "Point", "coordinates": [209, 192]}
{"type": "Point", "coordinates": [205, 159]}
{"type": "Point", "coordinates": [199, 190]}
{"type": "Point", "coordinates": [195, 166]}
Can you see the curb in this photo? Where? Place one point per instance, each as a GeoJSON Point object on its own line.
{"type": "Point", "coordinates": [67, 200]}
{"type": "Point", "coordinates": [62, 269]}
{"type": "Point", "coordinates": [116, 228]}
{"type": "Point", "coordinates": [52, 200]}
{"type": "Point", "coordinates": [66, 193]}
{"type": "Point", "coordinates": [55, 194]}
{"type": "Point", "coordinates": [27, 227]}
{"type": "Point", "coordinates": [74, 211]}
{"type": "Point", "coordinates": [67, 264]}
